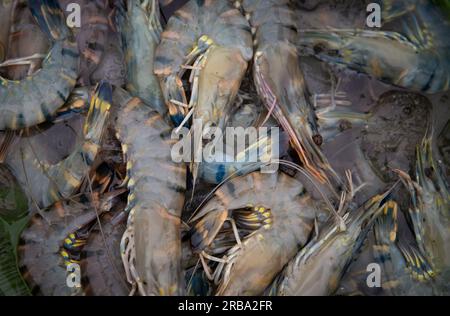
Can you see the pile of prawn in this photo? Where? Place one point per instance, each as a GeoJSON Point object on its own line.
{"type": "Point", "coordinates": [99, 138]}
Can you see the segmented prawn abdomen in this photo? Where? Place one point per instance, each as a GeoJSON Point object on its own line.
{"type": "Point", "coordinates": [48, 183]}
{"type": "Point", "coordinates": [139, 41]}
{"type": "Point", "coordinates": [283, 215]}
{"type": "Point", "coordinates": [25, 39]}
{"type": "Point", "coordinates": [218, 20]}
{"type": "Point", "coordinates": [436, 28]}
{"type": "Point", "coordinates": [227, 28]}
{"type": "Point", "coordinates": [36, 98]}
{"type": "Point", "coordinates": [273, 21]}
{"type": "Point", "coordinates": [103, 267]}
{"type": "Point", "coordinates": [40, 253]}
{"type": "Point", "coordinates": [280, 81]}
{"type": "Point", "coordinates": [157, 186]}
{"type": "Point", "coordinates": [178, 38]}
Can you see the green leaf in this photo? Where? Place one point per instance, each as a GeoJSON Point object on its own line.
{"type": "Point", "coordinates": [444, 5]}
{"type": "Point", "coordinates": [13, 219]}
{"type": "Point", "coordinates": [11, 281]}
{"type": "Point", "coordinates": [13, 201]}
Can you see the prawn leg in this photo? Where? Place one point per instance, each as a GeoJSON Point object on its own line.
{"type": "Point", "coordinates": [429, 207]}
{"type": "Point", "coordinates": [59, 181]}
{"type": "Point", "coordinates": [405, 270]}
{"type": "Point", "coordinates": [280, 82]}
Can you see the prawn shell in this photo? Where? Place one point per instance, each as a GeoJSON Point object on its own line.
{"type": "Point", "coordinates": [265, 252]}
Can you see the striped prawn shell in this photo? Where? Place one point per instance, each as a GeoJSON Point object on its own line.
{"type": "Point", "coordinates": [271, 21]}
{"type": "Point", "coordinates": [140, 29]}
{"type": "Point", "coordinates": [48, 182]}
{"type": "Point", "coordinates": [6, 8]}
{"type": "Point", "coordinates": [157, 186]}
{"type": "Point", "coordinates": [219, 20]}
{"type": "Point", "coordinates": [40, 255]}
{"type": "Point", "coordinates": [25, 39]}
{"type": "Point", "coordinates": [265, 252]}
{"type": "Point", "coordinates": [280, 81]}
{"type": "Point", "coordinates": [36, 98]}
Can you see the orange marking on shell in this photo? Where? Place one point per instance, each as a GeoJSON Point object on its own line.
{"type": "Point", "coordinates": [91, 55]}
{"type": "Point", "coordinates": [132, 104]}
{"type": "Point", "coordinates": [59, 209]}
{"type": "Point", "coordinates": [304, 159]}
{"type": "Point", "coordinates": [172, 35]}
{"type": "Point", "coordinates": [229, 13]}
{"type": "Point", "coordinates": [223, 197]}
{"type": "Point", "coordinates": [174, 168]}
{"type": "Point", "coordinates": [376, 67]}
{"type": "Point", "coordinates": [151, 120]}
{"type": "Point", "coordinates": [16, 34]}
{"type": "Point", "coordinates": [98, 20]}
{"type": "Point", "coordinates": [185, 15]}
{"type": "Point", "coordinates": [163, 71]}
{"type": "Point", "coordinates": [89, 147]}
{"type": "Point", "coordinates": [78, 104]}
{"type": "Point", "coordinates": [165, 213]}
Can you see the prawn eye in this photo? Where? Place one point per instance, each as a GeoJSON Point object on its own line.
{"type": "Point", "coordinates": [428, 172]}
{"type": "Point", "coordinates": [318, 140]}
{"type": "Point", "coordinates": [407, 110]}
{"type": "Point", "coordinates": [318, 48]}
{"type": "Point", "coordinates": [344, 125]}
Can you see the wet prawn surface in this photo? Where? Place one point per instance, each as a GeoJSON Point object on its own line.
{"type": "Point", "coordinates": [398, 121]}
